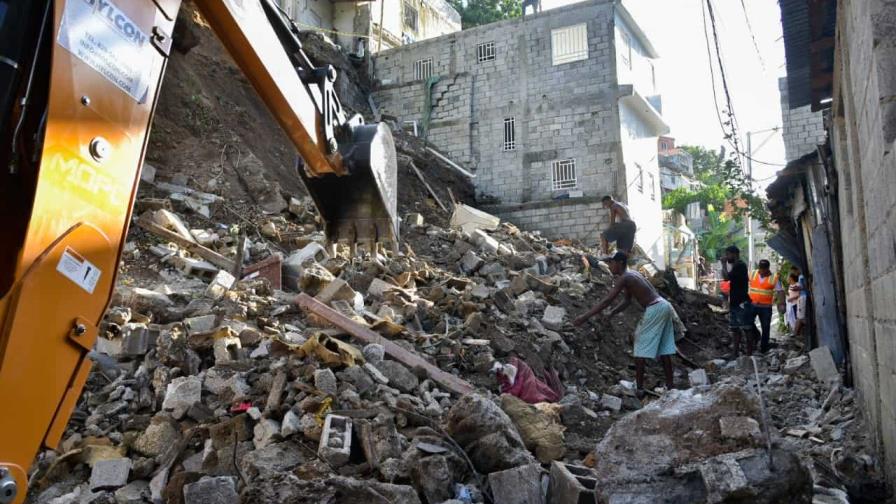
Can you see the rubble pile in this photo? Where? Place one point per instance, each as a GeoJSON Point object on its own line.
{"type": "Point", "coordinates": [244, 360]}
{"type": "Point", "coordinates": [323, 374]}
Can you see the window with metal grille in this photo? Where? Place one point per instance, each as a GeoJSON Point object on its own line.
{"type": "Point", "coordinates": [569, 44]}
{"type": "Point", "coordinates": [509, 134]}
{"type": "Point", "coordinates": [564, 174]}
{"type": "Point", "coordinates": [485, 52]}
{"type": "Point", "coordinates": [627, 50]}
{"type": "Point", "coordinates": [652, 181]}
{"type": "Point", "coordinates": [423, 69]}
{"type": "Point", "coordinates": [410, 17]}
{"type": "Point", "coordinates": [639, 183]}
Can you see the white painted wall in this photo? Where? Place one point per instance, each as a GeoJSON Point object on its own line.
{"type": "Point", "coordinates": [645, 205]}
{"type": "Point", "coordinates": [640, 72]}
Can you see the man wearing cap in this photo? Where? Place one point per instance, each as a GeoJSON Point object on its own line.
{"type": "Point", "coordinates": [655, 334]}
{"type": "Point", "coordinates": [763, 288]}
{"type": "Point", "coordinates": [739, 321]}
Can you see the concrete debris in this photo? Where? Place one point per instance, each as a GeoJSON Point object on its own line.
{"type": "Point", "coordinates": [110, 474]}
{"type": "Point", "coordinates": [208, 490]}
{"type": "Point", "coordinates": [698, 377]}
{"type": "Point", "coordinates": [487, 434]}
{"type": "Point", "coordinates": [217, 387]}
{"type": "Point", "coordinates": [336, 440]}
{"type": "Point", "coordinates": [823, 364]}
{"type": "Point", "coordinates": [520, 485]}
{"type": "Point", "coordinates": [470, 219]}
{"type": "Point", "coordinates": [181, 394]}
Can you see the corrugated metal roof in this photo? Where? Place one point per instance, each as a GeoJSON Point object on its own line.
{"type": "Point", "coordinates": [809, 27]}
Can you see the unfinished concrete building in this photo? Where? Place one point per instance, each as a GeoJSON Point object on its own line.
{"type": "Point", "coordinates": [551, 111]}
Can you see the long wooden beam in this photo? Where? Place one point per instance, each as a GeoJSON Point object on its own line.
{"type": "Point", "coordinates": [409, 359]}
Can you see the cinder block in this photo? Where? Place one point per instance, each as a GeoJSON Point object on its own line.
{"type": "Point", "coordinates": [571, 484]}
{"type": "Point", "coordinates": [336, 440]}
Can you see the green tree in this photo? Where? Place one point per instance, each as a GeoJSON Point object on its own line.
{"type": "Point", "coordinates": [718, 233]}
{"type": "Point", "coordinates": [721, 184]}
{"type": "Point", "coordinates": [480, 12]}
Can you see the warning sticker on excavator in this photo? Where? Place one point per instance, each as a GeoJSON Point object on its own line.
{"type": "Point", "coordinates": [78, 270]}
{"type": "Point", "coordinates": [101, 35]}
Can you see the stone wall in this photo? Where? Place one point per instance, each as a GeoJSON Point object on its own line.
{"type": "Point", "coordinates": [579, 218]}
{"type": "Point", "coordinates": [803, 129]}
{"type": "Point", "coordinates": [862, 132]}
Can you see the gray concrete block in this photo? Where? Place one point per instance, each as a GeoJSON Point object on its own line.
{"type": "Point", "coordinates": [520, 485]}
{"type": "Point", "coordinates": [110, 474]}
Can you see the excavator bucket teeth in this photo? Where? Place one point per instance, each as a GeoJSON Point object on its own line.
{"type": "Point", "coordinates": [360, 207]}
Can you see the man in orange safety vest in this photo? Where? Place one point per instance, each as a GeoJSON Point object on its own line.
{"type": "Point", "coordinates": [763, 287]}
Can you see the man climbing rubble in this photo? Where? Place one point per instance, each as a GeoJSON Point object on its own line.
{"type": "Point", "coordinates": [621, 230]}
{"type": "Point", "coordinates": [655, 334]}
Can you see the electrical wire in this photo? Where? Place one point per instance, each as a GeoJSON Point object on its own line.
{"type": "Point", "coordinates": [752, 35]}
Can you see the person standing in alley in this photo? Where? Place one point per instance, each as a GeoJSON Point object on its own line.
{"type": "Point", "coordinates": [655, 334]}
{"type": "Point", "coordinates": [739, 306]}
{"type": "Point", "coordinates": [621, 230]}
{"type": "Point", "coordinates": [764, 286]}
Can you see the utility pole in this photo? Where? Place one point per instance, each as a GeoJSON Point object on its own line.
{"type": "Point", "coordinates": [749, 218]}
{"type": "Point", "coordinates": [748, 171]}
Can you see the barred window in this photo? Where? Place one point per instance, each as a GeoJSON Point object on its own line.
{"type": "Point", "coordinates": [410, 17]}
{"type": "Point", "coordinates": [423, 69]}
{"type": "Point", "coordinates": [485, 52]}
{"type": "Point", "coordinates": [509, 134]}
{"type": "Point", "coordinates": [569, 44]}
{"type": "Point", "coordinates": [564, 174]}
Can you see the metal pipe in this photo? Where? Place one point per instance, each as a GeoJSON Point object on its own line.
{"type": "Point", "coordinates": [451, 163]}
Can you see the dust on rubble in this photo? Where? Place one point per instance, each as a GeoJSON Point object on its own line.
{"type": "Point", "coordinates": [210, 388]}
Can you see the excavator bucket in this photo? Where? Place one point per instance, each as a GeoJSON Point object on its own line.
{"type": "Point", "coordinates": [360, 207]}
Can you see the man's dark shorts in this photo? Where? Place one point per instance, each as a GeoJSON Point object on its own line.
{"type": "Point", "coordinates": [741, 317]}
{"type": "Point", "coordinates": [623, 233]}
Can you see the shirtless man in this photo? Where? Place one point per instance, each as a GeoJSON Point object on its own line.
{"type": "Point", "coordinates": [622, 227]}
{"type": "Point", "coordinates": [655, 334]}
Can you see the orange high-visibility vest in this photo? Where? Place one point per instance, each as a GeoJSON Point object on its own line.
{"type": "Point", "coordinates": [762, 290]}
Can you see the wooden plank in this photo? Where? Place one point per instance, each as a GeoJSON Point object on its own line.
{"type": "Point", "coordinates": [195, 248]}
{"type": "Point", "coordinates": [428, 188]}
{"type": "Point", "coordinates": [409, 359]}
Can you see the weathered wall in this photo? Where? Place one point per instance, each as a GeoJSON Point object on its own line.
{"type": "Point", "coordinates": [566, 111]}
{"type": "Point", "coordinates": [862, 136]}
{"type": "Point", "coordinates": [803, 129]}
{"type": "Point", "coordinates": [434, 18]}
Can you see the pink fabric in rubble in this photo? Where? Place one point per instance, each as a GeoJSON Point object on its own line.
{"type": "Point", "coordinates": [528, 387]}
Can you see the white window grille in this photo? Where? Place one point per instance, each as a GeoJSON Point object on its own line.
{"type": "Point", "coordinates": [410, 127]}
{"type": "Point", "coordinates": [485, 52]}
{"type": "Point", "coordinates": [569, 44]}
{"type": "Point", "coordinates": [564, 174]}
{"type": "Point", "coordinates": [652, 187]}
{"type": "Point", "coordinates": [509, 134]}
{"type": "Point", "coordinates": [410, 17]}
{"type": "Point", "coordinates": [639, 183]}
{"type": "Point", "coordinates": [423, 69]}
{"type": "Point", "coordinates": [627, 50]}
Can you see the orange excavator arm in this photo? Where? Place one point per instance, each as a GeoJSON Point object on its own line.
{"type": "Point", "coordinates": [79, 80]}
